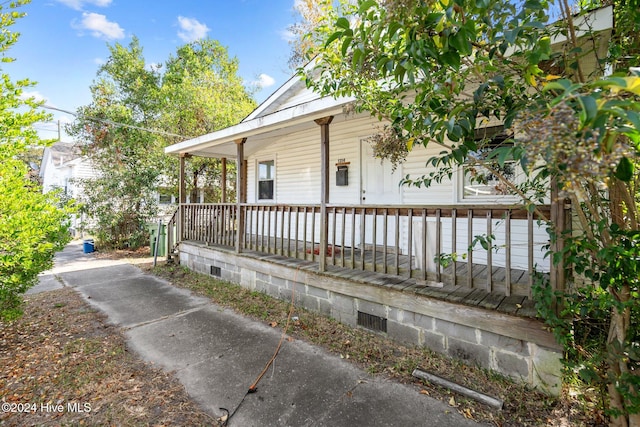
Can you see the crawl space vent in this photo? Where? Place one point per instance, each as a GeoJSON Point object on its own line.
{"type": "Point", "coordinates": [369, 321]}
{"type": "Point", "coordinates": [216, 271]}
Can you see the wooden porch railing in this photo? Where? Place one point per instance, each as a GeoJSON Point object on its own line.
{"type": "Point", "coordinates": [173, 236]}
{"type": "Point", "coordinates": [495, 248]}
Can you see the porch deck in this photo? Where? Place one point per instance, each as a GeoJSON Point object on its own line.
{"type": "Point", "coordinates": [373, 274]}
{"type": "Point", "coordinates": [396, 247]}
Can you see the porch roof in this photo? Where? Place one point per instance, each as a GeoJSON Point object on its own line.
{"type": "Point", "coordinates": [261, 129]}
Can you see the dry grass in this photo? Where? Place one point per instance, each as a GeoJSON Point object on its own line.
{"type": "Point", "coordinates": [63, 365]}
{"type": "Point", "coordinates": [62, 352]}
{"type": "Point", "coordinates": [379, 355]}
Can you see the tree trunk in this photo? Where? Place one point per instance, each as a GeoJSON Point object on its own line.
{"type": "Point", "coordinates": [620, 319]}
{"type": "Point", "coordinates": [617, 364]}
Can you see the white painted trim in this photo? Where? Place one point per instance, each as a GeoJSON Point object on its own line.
{"type": "Point", "coordinates": [293, 82]}
{"type": "Point", "coordinates": [293, 116]}
{"type": "Point", "coordinates": [265, 158]}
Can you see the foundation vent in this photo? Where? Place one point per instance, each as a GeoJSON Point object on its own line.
{"type": "Point", "coordinates": [216, 271]}
{"type": "Point", "coordinates": [374, 323]}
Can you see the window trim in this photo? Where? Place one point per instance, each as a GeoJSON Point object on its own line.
{"type": "Point", "coordinates": [494, 132]}
{"type": "Point", "coordinates": [258, 180]}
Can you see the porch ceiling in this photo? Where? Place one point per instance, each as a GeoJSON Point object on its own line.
{"type": "Point", "coordinates": [260, 131]}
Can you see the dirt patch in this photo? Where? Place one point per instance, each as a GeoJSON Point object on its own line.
{"type": "Point", "coordinates": [62, 364]}
{"type": "Point", "coordinates": [378, 355]}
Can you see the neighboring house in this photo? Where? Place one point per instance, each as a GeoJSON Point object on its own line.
{"type": "Point", "coordinates": [318, 215]}
{"type": "Point", "coordinates": [62, 166]}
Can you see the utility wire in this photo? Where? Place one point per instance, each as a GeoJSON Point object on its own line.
{"type": "Point", "coordinates": [110, 122]}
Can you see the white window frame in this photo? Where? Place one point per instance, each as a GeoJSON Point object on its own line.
{"type": "Point", "coordinates": [489, 196]}
{"type": "Point", "coordinates": [259, 179]}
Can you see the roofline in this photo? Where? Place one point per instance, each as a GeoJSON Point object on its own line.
{"type": "Point", "coordinates": [290, 83]}
{"type": "Point", "coordinates": [280, 119]}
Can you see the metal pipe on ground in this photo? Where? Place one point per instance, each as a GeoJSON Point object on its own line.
{"type": "Point", "coordinates": [482, 398]}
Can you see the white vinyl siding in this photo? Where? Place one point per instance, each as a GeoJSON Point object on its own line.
{"type": "Point", "coordinates": [298, 183]}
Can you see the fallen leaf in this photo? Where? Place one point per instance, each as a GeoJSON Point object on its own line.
{"type": "Point", "coordinates": [452, 401]}
{"type": "Point", "coordinates": [273, 324]}
{"type": "Point", "coordinates": [424, 392]}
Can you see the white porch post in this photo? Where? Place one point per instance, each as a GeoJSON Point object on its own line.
{"type": "Point", "coordinates": [324, 188]}
{"type": "Point", "coordinates": [240, 194]}
{"type": "Point", "coordinates": [223, 178]}
{"type": "Point", "coordinates": [182, 196]}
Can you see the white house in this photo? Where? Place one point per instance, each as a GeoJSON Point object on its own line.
{"type": "Point", "coordinates": [61, 168]}
{"type": "Point", "coordinates": [318, 213]}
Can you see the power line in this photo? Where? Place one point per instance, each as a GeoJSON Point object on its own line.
{"type": "Point", "coordinates": [110, 122]}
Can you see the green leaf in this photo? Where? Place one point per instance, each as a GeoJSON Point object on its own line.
{"type": "Point", "coordinates": [333, 37]}
{"type": "Point", "coordinates": [460, 42]}
{"type": "Point", "coordinates": [343, 23]}
{"type": "Point", "coordinates": [624, 170]}
{"type": "Point", "coordinates": [357, 57]}
{"type": "Point", "coordinates": [451, 58]}
{"type": "Point", "coordinates": [366, 6]}
{"type": "Point", "coordinates": [589, 109]}
{"type": "Point", "coordinates": [345, 45]}
{"type": "Point", "coordinates": [393, 29]}
{"type": "Point", "coordinates": [562, 85]}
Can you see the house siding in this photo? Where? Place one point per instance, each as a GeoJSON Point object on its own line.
{"type": "Point", "coordinates": [297, 157]}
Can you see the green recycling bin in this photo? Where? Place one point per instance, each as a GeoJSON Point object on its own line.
{"type": "Point", "coordinates": [161, 240]}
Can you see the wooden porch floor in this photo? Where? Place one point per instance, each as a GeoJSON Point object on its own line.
{"type": "Point", "coordinates": [451, 287]}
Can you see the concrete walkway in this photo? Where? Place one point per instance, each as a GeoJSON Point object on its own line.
{"type": "Point", "coordinates": [217, 355]}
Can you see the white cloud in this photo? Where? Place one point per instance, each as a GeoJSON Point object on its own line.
{"type": "Point", "coordinates": [191, 29]}
{"type": "Point", "coordinates": [37, 96]}
{"type": "Point", "coordinates": [100, 27]}
{"type": "Point", "coordinates": [99, 61]}
{"type": "Point", "coordinates": [287, 35]}
{"type": "Point", "coordinates": [264, 80]}
{"type": "Point", "coordinates": [79, 4]}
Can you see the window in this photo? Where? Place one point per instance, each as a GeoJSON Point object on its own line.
{"type": "Point", "coordinates": [479, 181]}
{"type": "Point", "coordinates": [266, 179]}
{"type": "Point", "coordinates": [164, 196]}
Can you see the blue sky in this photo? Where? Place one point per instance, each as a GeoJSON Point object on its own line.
{"type": "Point", "coordinates": [63, 42]}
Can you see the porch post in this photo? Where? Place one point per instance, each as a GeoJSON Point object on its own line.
{"type": "Point", "coordinates": [324, 188]}
{"type": "Point", "coordinates": [223, 166]}
{"type": "Point", "coordinates": [240, 198]}
{"type": "Point", "coordinates": [182, 196]}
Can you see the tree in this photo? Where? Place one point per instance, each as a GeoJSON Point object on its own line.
{"type": "Point", "coordinates": [309, 14]}
{"type": "Point", "coordinates": [437, 70]}
{"type": "Point", "coordinates": [203, 93]}
{"type": "Point", "coordinates": [136, 111]}
{"type": "Point", "coordinates": [113, 133]}
{"type": "Point", "coordinates": [32, 225]}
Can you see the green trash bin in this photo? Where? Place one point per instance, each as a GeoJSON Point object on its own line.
{"type": "Point", "coordinates": [161, 240]}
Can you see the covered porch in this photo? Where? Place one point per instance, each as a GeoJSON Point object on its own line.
{"type": "Point", "coordinates": [425, 267]}
{"type": "Point", "coordinates": [396, 247]}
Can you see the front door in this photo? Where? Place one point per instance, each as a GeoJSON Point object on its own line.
{"type": "Point", "coordinates": [379, 186]}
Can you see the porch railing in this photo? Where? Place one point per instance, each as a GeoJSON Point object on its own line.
{"type": "Point", "coordinates": [488, 247]}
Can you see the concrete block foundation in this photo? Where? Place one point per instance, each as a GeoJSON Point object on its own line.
{"type": "Point", "coordinates": [513, 346]}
